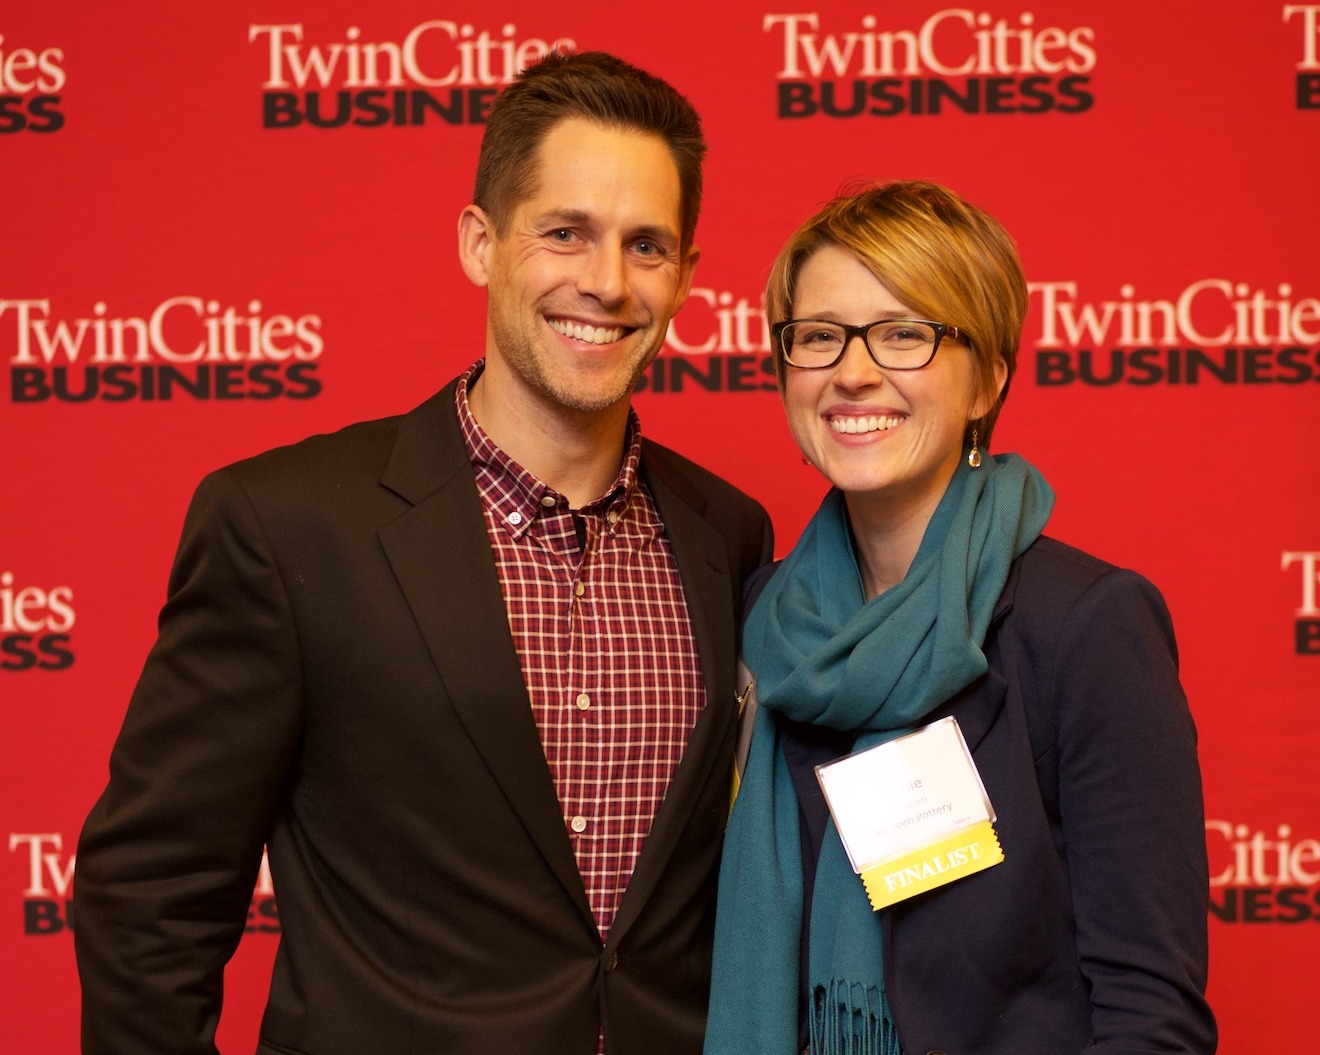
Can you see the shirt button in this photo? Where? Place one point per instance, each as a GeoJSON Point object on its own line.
{"type": "Point", "coordinates": [579, 589]}
{"type": "Point", "coordinates": [612, 517]}
{"type": "Point", "coordinates": [547, 500]}
{"type": "Point", "coordinates": [578, 823]}
{"type": "Point", "coordinates": [515, 518]}
{"type": "Point", "coordinates": [583, 701]}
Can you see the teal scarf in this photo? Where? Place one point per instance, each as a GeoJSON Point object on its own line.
{"type": "Point", "coordinates": [823, 654]}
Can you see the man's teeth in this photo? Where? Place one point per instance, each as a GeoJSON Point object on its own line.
{"type": "Point", "coordinates": [590, 334]}
{"type": "Point", "coordinates": [852, 425]}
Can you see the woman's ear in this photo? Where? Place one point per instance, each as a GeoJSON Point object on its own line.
{"type": "Point", "coordinates": [985, 402]}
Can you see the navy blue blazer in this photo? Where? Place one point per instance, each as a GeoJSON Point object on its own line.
{"type": "Point", "coordinates": [1091, 936]}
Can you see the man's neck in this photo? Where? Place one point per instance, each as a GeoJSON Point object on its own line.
{"type": "Point", "coordinates": [577, 453]}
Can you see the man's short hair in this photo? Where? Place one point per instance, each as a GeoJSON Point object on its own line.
{"type": "Point", "coordinates": [593, 86]}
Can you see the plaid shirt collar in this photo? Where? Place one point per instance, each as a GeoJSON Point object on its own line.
{"type": "Point", "coordinates": [517, 496]}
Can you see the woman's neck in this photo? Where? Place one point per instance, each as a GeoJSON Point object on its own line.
{"type": "Point", "coordinates": [886, 537]}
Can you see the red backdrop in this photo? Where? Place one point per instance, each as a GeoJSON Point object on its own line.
{"type": "Point", "coordinates": [225, 227]}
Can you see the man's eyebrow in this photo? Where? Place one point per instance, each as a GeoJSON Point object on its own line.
{"type": "Point", "coordinates": [565, 216]}
{"type": "Point", "coordinates": [653, 233]}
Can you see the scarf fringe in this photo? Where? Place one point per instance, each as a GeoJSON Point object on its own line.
{"type": "Point", "coordinates": [848, 1018]}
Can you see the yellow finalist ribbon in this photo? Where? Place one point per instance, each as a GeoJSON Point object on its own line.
{"type": "Point", "coordinates": [965, 852]}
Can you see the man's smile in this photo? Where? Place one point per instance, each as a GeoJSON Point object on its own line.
{"type": "Point", "coordinates": [580, 331]}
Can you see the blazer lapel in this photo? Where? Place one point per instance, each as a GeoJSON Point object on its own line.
{"type": "Point", "coordinates": [708, 590]}
{"type": "Point", "coordinates": [440, 555]}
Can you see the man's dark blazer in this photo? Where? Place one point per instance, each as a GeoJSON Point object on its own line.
{"type": "Point", "coordinates": [335, 678]}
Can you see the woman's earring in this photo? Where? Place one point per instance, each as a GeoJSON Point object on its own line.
{"type": "Point", "coordinates": [974, 455]}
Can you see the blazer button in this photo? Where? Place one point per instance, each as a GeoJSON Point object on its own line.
{"type": "Point", "coordinates": [612, 962]}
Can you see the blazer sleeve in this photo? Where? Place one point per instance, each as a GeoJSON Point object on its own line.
{"type": "Point", "coordinates": [1129, 795]}
{"type": "Point", "coordinates": [169, 855]}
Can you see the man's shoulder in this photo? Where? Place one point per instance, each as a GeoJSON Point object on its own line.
{"type": "Point", "coordinates": [360, 447]}
{"type": "Point", "coordinates": [738, 518]}
{"type": "Point", "coordinates": [679, 471]}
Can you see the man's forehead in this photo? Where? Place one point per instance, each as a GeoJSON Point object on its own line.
{"type": "Point", "coordinates": [584, 168]}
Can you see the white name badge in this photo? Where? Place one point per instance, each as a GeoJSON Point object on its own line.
{"type": "Point", "coordinates": [912, 813]}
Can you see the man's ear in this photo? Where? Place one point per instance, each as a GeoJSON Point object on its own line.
{"type": "Point", "coordinates": [475, 233]}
